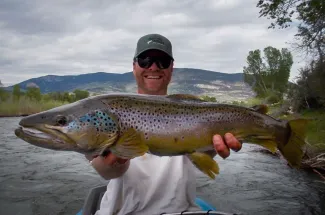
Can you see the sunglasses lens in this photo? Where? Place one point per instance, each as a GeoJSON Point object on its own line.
{"type": "Point", "coordinates": [161, 62]}
{"type": "Point", "coordinates": [144, 62]}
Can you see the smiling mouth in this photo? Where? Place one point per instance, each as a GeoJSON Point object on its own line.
{"type": "Point", "coordinates": [156, 77]}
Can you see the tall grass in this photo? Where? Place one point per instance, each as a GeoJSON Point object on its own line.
{"type": "Point", "coordinates": [26, 106]}
{"type": "Point", "coordinates": [316, 127]}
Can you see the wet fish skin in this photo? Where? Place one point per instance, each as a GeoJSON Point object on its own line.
{"type": "Point", "coordinates": [131, 125]}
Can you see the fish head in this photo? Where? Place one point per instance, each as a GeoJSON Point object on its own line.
{"type": "Point", "coordinates": [85, 126]}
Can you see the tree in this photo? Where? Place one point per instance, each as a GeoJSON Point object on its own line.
{"type": "Point", "coordinates": [16, 92]}
{"type": "Point", "coordinates": [4, 95]}
{"type": "Point", "coordinates": [80, 94]}
{"type": "Point", "coordinates": [310, 13]}
{"type": "Point", "coordinates": [34, 93]}
{"type": "Point", "coordinates": [270, 75]}
{"type": "Point", "coordinates": [309, 90]}
{"type": "Point", "coordinates": [255, 71]}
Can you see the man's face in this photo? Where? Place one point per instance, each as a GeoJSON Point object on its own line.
{"type": "Point", "coordinates": [153, 80]}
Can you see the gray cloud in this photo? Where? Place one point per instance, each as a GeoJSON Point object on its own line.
{"type": "Point", "coordinates": [73, 37]}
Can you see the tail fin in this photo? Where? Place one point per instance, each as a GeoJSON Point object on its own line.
{"type": "Point", "coordinates": [293, 150]}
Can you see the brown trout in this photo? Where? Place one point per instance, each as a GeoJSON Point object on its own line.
{"type": "Point", "coordinates": [130, 125]}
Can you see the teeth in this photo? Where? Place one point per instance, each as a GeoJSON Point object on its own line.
{"type": "Point", "coordinates": [152, 77]}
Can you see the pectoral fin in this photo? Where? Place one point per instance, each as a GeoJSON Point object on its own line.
{"type": "Point", "coordinates": [205, 163]}
{"type": "Point", "coordinates": [129, 145]}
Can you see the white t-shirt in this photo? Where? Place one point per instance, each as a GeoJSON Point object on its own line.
{"type": "Point", "coordinates": [152, 185]}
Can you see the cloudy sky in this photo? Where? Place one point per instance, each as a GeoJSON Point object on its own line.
{"type": "Point", "coordinates": [64, 37]}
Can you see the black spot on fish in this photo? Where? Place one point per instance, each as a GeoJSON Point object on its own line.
{"type": "Point", "coordinates": [175, 139]}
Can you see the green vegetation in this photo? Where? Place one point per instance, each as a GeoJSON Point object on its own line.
{"type": "Point", "coordinates": [308, 92]}
{"type": "Point", "coordinates": [209, 98]}
{"type": "Point", "coordinates": [268, 78]}
{"type": "Point", "coordinates": [316, 127]}
{"type": "Point", "coordinates": [17, 103]}
{"type": "Point", "coordinates": [26, 106]}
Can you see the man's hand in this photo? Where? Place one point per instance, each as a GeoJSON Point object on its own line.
{"type": "Point", "coordinates": [109, 166]}
{"type": "Point", "coordinates": [222, 145]}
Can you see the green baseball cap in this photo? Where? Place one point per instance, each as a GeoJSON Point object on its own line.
{"type": "Point", "coordinates": [153, 41]}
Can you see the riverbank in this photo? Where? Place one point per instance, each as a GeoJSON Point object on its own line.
{"type": "Point", "coordinates": [25, 107]}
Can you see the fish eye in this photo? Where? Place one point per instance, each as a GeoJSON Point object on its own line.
{"type": "Point", "coordinates": [61, 120]}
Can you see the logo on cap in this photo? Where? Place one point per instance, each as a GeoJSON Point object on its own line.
{"type": "Point", "coordinates": [156, 41]}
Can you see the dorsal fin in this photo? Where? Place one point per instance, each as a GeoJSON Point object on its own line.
{"type": "Point", "coordinates": [262, 108]}
{"type": "Point", "coordinates": [185, 97]}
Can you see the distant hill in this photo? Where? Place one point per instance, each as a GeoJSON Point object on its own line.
{"type": "Point", "coordinates": [185, 80]}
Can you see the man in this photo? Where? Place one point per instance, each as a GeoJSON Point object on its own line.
{"type": "Point", "coordinates": [152, 184]}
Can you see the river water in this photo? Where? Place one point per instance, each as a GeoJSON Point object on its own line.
{"type": "Point", "coordinates": [36, 181]}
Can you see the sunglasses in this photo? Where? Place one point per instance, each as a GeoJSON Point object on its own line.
{"type": "Point", "coordinates": [161, 62]}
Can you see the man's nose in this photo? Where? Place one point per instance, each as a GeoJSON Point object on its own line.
{"type": "Point", "coordinates": [153, 67]}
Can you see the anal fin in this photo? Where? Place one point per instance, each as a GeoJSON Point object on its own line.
{"type": "Point", "coordinates": [204, 163]}
{"type": "Point", "coordinates": [266, 141]}
{"type": "Point", "coordinates": [268, 144]}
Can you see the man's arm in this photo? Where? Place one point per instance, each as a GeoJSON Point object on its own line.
{"type": "Point", "coordinates": [110, 166]}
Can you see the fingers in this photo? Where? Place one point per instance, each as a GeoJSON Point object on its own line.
{"type": "Point", "coordinates": [220, 146]}
{"type": "Point", "coordinates": [232, 142]}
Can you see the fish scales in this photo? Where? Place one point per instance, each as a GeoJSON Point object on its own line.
{"type": "Point", "coordinates": [182, 123]}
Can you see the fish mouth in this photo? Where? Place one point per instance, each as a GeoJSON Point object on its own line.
{"type": "Point", "coordinates": [46, 137]}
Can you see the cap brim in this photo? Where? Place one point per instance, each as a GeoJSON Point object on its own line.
{"type": "Point", "coordinates": [147, 49]}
